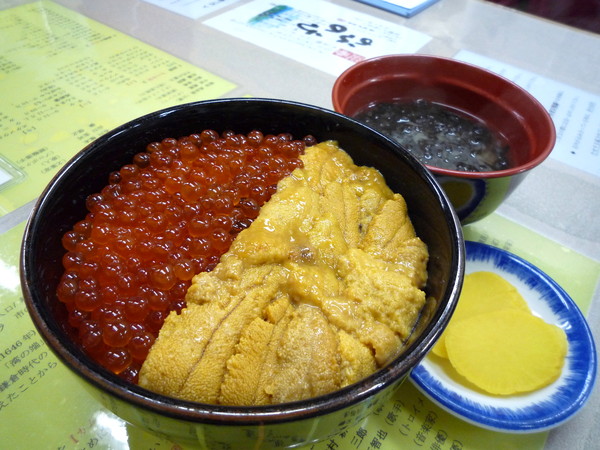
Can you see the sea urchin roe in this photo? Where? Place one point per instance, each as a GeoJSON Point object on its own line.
{"type": "Point", "coordinates": [438, 136]}
{"type": "Point", "coordinates": [322, 289]}
{"type": "Point", "coordinates": [160, 220]}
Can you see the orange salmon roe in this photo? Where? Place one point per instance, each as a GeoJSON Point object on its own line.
{"type": "Point", "coordinates": [167, 216]}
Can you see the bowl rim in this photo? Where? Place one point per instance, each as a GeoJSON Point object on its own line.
{"type": "Point", "coordinates": [196, 412]}
{"type": "Point", "coordinates": [545, 116]}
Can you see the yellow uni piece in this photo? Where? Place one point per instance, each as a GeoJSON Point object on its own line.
{"type": "Point", "coordinates": [322, 289]}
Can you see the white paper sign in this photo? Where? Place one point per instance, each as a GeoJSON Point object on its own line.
{"type": "Point", "coordinates": [322, 35]}
{"type": "Point", "coordinates": [193, 9]}
{"type": "Point", "coordinates": [575, 112]}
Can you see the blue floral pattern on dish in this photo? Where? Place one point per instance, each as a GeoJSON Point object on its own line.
{"type": "Point", "coordinates": [536, 411]}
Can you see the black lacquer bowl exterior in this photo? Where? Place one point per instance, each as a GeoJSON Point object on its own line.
{"type": "Point", "coordinates": [63, 203]}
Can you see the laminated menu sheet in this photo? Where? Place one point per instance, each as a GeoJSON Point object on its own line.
{"type": "Point", "coordinates": [65, 80]}
{"type": "Point", "coordinates": [44, 405]}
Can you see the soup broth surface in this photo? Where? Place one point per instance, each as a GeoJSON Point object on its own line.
{"type": "Point", "coordinates": [439, 136]}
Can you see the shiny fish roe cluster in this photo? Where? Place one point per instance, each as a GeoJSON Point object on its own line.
{"type": "Point", "coordinates": [160, 220]}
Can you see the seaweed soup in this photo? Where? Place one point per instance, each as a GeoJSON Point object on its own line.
{"type": "Point", "coordinates": [439, 136]}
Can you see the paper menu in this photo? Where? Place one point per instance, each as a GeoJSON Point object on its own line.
{"type": "Point", "coordinates": [321, 35]}
{"type": "Point", "coordinates": [576, 113]}
{"type": "Point", "coordinates": [43, 405]}
{"type": "Point", "coordinates": [65, 80]}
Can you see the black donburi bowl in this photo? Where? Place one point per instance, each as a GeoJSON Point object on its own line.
{"type": "Point", "coordinates": [285, 425]}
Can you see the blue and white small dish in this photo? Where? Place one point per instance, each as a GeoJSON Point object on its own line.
{"type": "Point", "coordinates": [531, 412]}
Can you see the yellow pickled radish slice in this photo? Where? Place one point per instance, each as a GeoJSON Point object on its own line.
{"type": "Point", "coordinates": [507, 351]}
{"type": "Point", "coordinates": [482, 292]}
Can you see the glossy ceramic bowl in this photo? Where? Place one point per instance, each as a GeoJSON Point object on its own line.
{"type": "Point", "coordinates": [501, 104]}
{"type": "Point", "coordinates": [285, 425]}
